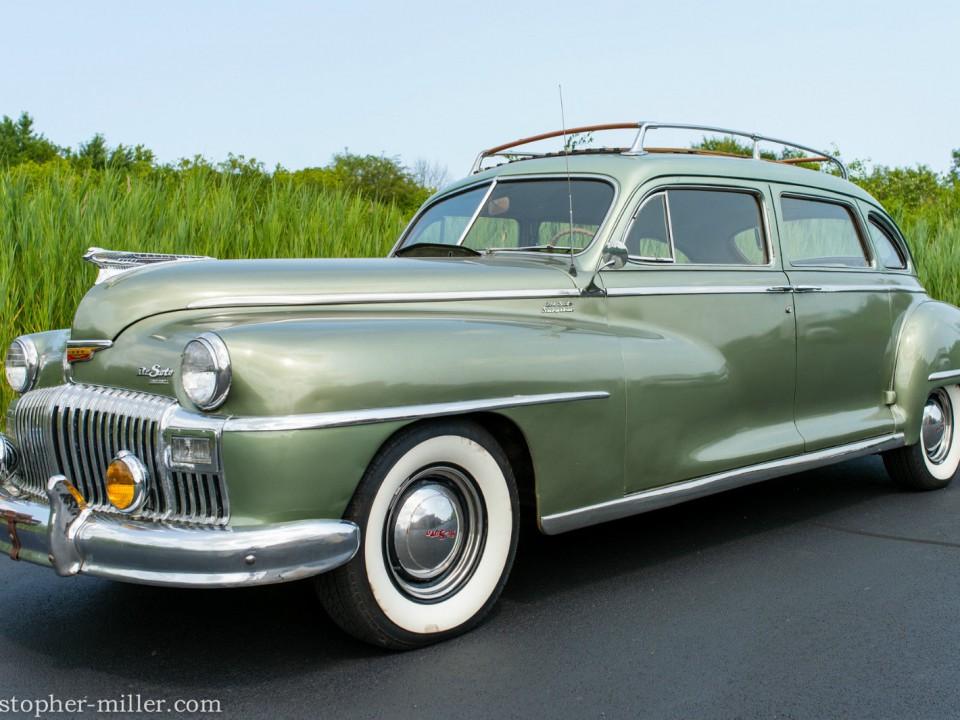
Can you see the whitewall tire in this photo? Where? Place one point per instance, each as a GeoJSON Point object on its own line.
{"type": "Point", "coordinates": [933, 462]}
{"type": "Point", "coordinates": [438, 516]}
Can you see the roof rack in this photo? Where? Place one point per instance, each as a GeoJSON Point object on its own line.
{"type": "Point", "coordinates": [638, 147]}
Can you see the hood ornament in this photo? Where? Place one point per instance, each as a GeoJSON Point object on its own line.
{"type": "Point", "coordinates": [114, 262]}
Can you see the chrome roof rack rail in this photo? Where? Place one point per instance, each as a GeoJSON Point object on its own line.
{"type": "Point", "coordinates": [639, 147]}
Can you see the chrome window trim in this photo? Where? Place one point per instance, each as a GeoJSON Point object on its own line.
{"type": "Point", "coordinates": [476, 213]}
{"type": "Point", "coordinates": [343, 418]}
{"type": "Point", "coordinates": [888, 230]}
{"type": "Point", "coordinates": [723, 186]}
{"type": "Point", "coordinates": [369, 298]}
{"type": "Point", "coordinates": [667, 226]}
{"type": "Point", "coordinates": [866, 246]}
{"type": "Point", "coordinates": [944, 375]}
{"type": "Point", "coordinates": [666, 495]}
{"type": "Point", "coordinates": [611, 181]}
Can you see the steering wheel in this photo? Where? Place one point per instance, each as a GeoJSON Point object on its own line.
{"type": "Point", "coordinates": [570, 231]}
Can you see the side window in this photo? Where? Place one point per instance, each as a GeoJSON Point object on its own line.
{"type": "Point", "coordinates": [648, 237]}
{"type": "Point", "coordinates": [888, 249]}
{"type": "Point", "coordinates": [820, 233]}
{"type": "Point", "coordinates": [717, 227]}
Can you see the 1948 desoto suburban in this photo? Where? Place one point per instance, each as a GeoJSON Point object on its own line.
{"type": "Point", "coordinates": [587, 334]}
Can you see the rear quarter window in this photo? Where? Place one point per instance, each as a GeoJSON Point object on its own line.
{"type": "Point", "coordinates": [889, 252]}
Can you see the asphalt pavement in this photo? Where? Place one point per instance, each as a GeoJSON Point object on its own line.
{"type": "Point", "coordinates": [827, 594]}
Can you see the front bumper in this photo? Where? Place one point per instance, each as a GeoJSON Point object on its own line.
{"type": "Point", "coordinates": [73, 539]}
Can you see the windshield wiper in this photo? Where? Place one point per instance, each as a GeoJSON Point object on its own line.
{"type": "Point", "coordinates": [533, 248]}
{"type": "Point", "coordinates": [430, 249]}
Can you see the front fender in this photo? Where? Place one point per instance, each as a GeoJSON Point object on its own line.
{"type": "Point", "coordinates": [304, 367]}
{"type": "Point", "coordinates": [929, 343]}
{"type": "Point", "coordinates": [313, 366]}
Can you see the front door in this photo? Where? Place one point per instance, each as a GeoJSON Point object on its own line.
{"type": "Point", "coordinates": [844, 319]}
{"type": "Point", "coordinates": [707, 331]}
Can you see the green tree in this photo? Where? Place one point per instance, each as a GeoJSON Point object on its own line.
{"type": "Point", "coordinates": [377, 177]}
{"type": "Point", "coordinates": [20, 143]}
{"type": "Point", "coordinates": [93, 153]}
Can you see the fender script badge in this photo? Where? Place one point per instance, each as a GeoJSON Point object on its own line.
{"type": "Point", "coordinates": [158, 375]}
{"type": "Point", "coordinates": [557, 306]}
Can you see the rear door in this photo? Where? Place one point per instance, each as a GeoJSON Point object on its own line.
{"type": "Point", "coordinates": [844, 339]}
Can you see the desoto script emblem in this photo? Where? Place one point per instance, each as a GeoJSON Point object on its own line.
{"type": "Point", "coordinates": [158, 375]}
{"type": "Point", "coordinates": [557, 306]}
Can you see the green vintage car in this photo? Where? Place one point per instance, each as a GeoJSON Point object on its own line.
{"type": "Point", "coordinates": [582, 335]}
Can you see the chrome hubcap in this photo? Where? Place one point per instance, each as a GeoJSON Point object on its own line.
{"type": "Point", "coordinates": [434, 534]}
{"type": "Point", "coordinates": [937, 426]}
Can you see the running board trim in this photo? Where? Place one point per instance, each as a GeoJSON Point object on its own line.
{"type": "Point", "coordinates": [661, 497]}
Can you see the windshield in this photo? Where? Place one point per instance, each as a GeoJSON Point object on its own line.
{"type": "Point", "coordinates": [516, 215]}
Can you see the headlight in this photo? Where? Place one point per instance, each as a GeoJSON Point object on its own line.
{"type": "Point", "coordinates": [21, 364]}
{"type": "Point", "coordinates": [205, 371]}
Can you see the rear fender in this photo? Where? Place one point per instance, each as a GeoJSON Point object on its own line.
{"type": "Point", "coordinates": [929, 345]}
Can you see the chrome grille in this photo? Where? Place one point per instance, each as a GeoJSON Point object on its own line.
{"type": "Point", "coordinates": [76, 430]}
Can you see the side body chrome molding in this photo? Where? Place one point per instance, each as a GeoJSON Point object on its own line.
{"type": "Point", "coordinates": [660, 497]}
{"type": "Point", "coordinates": [459, 296]}
{"type": "Point", "coordinates": [364, 298]}
{"type": "Point", "coordinates": [944, 375]}
{"type": "Point", "coordinates": [752, 289]}
{"type": "Point", "coordinates": [341, 418]}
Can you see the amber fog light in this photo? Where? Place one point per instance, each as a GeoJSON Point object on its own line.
{"type": "Point", "coordinates": [126, 482]}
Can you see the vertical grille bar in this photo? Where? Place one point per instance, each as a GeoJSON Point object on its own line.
{"type": "Point", "coordinates": [77, 430]}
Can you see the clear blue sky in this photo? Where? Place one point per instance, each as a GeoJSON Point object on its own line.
{"type": "Point", "coordinates": [294, 82]}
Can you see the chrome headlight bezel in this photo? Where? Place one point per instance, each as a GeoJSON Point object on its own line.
{"type": "Point", "coordinates": [219, 362]}
{"type": "Point", "coordinates": [31, 357]}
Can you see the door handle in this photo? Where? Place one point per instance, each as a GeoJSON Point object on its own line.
{"type": "Point", "coordinates": [806, 288]}
{"type": "Point", "coordinates": [780, 289]}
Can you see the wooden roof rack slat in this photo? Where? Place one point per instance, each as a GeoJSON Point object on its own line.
{"type": "Point", "coordinates": [639, 148]}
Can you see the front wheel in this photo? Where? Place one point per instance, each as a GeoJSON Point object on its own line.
{"type": "Point", "coordinates": [437, 511]}
{"type": "Point", "coordinates": [933, 462]}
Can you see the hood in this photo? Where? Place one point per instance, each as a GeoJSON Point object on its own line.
{"type": "Point", "coordinates": [113, 305]}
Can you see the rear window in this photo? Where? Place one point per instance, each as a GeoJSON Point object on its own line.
{"type": "Point", "coordinates": [820, 233]}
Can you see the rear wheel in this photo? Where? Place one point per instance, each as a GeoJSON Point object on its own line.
{"type": "Point", "coordinates": [933, 462]}
{"type": "Point", "coordinates": [437, 511]}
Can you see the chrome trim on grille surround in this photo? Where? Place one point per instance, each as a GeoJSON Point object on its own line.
{"type": "Point", "coordinates": [76, 430]}
{"type": "Point", "coordinates": [667, 495]}
{"type": "Point", "coordinates": [341, 418]}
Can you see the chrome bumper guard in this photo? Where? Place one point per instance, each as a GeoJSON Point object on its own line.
{"type": "Point", "coordinates": [74, 539]}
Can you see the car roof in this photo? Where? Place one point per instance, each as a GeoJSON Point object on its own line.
{"type": "Point", "coordinates": [629, 171]}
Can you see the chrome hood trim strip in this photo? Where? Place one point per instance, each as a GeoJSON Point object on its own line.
{"type": "Point", "coordinates": [366, 298]}
{"type": "Point", "coordinates": [661, 497]}
{"type": "Point", "coordinates": [944, 375]}
{"type": "Point", "coordinates": [342, 418]}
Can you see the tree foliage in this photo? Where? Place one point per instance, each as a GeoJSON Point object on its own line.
{"type": "Point", "coordinates": [20, 143]}
{"type": "Point", "coordinates": [378, 178]}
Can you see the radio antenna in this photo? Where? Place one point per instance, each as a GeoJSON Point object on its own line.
{"type": "Point", "coordinates": [566, 157]}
